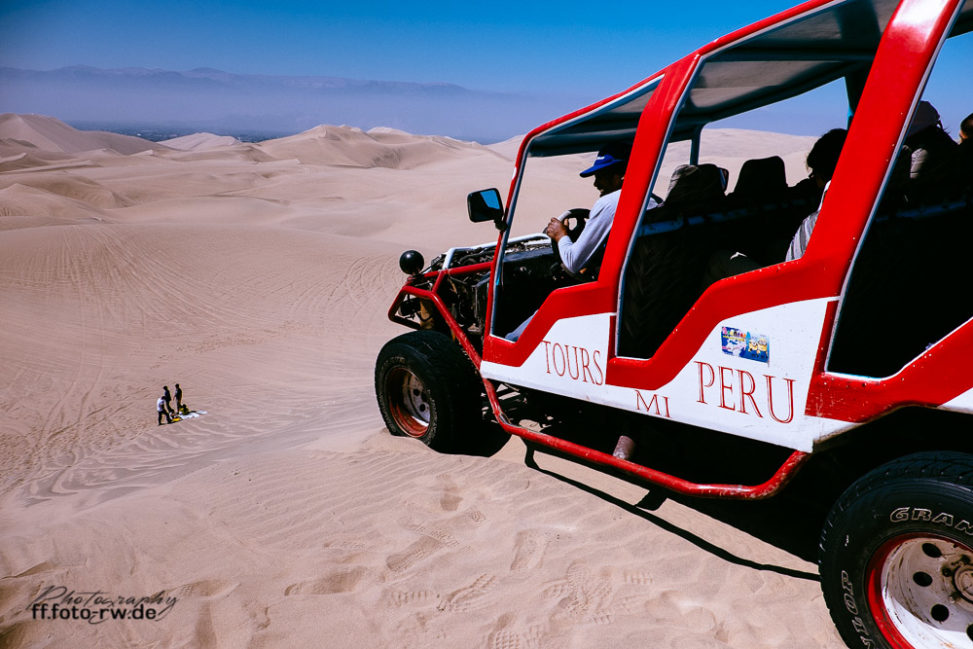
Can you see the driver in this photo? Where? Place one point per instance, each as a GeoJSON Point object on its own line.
{"type": "Point", "coordinates": [608, 170]}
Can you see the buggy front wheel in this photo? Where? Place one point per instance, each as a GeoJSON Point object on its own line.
{"type": "Point", "coordinates": [427, 389]}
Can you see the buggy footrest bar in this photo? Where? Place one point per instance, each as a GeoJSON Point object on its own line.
{"type": "Point", "coordinates": [678, 485]}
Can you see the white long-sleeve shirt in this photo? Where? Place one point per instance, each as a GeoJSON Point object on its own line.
{"type": "Point", "coordinates": [575, 254]}
{"type": "Point", "coordinates": [803, 235]}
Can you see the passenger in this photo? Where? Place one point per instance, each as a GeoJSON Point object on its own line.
{"type": "Point", "coordinates": [803, 235]}
{"type": "Point", "coordinates": [933, 172]}
{"type": "Point", "coordinates": [695, 189]}
{"type": "Point", "coordinates": [896, 195]}
{"type": "Point", "coordinates": [966, 129]}
{"type": "Point", "coordinates": [822, 160]}
{"type": "Point", "coordinates": [966, 152]}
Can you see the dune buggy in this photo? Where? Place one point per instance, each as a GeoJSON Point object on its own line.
{"type": "Point", "coordinates": [850, 363]}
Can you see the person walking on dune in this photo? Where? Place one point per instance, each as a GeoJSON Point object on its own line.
{"type": "Point", "coordinates": [168, 399]}
{"type": "Point", "coordinates": [178, 396]}
{"type": "Point", "coordinates": [160, 406]}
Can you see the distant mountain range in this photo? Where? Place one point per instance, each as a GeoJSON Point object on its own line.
{"type": "Point", "coordinates": [223, 102]}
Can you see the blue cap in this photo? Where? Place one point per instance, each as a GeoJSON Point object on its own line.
{"type": "Point", "coordinates": [609, 156]}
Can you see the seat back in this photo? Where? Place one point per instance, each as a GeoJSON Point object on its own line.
{"type": "Point", "coordinates": [762, 180]}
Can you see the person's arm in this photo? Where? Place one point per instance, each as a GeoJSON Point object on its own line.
{"type": "Point", "coordinates": [803, 235]}
{"type": "Point", "coordinates": [575, 254]}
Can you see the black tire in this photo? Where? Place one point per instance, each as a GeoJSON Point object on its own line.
{"type": "Point", "coordinates": [428, 389]}
{"type": "Point", "coordinates": [896, 555]}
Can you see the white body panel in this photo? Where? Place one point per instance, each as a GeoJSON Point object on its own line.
{"type": "Point", "coordinates": [750, 377]}
{"type": "Point", "coordinates": [962, 403]}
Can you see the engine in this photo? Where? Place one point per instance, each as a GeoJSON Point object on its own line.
{"type": "Point", "coordinates": [529, 273]}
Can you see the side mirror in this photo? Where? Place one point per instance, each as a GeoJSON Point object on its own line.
{"type": "Point", "coordinates": [485, 205]}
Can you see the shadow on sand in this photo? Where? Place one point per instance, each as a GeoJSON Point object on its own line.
{"type": "Point", "coordinates": [790, 521]}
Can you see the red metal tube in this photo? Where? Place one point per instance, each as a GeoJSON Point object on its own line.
{"type": "Point", "coordinates": [672, 483]}
{"type": "Point", "coordinates": [454, 327]}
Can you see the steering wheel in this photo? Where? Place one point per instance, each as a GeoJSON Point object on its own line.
{"type": "Point", "coordinates": [579, 216]}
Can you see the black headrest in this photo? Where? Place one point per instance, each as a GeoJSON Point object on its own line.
{"type": "Point", "coordinates": [761, 178]}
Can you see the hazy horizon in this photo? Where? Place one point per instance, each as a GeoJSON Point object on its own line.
{"type": "Point", "coordinates": [226, 103]}
{"type": "Point", "coordinates": [169, 103]}
{"type": "Point", "coordinates": [434, 67]}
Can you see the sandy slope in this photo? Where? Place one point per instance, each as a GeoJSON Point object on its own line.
{"type": "Point", "coordinates": [52, 135]}
{"type": "Point", "coordinates": [258, 277]}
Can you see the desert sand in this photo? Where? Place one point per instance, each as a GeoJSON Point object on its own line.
{"type": "Point", "coordinates": [258, 277]}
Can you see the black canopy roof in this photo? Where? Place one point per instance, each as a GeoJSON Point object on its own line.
{"type": "Point", "coordinates": [766, 63]}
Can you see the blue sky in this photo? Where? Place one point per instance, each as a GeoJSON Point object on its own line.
{"type": "Point", "coordinates": [501, 45]}
{"type": "Point", "coordinates": [579, 51]}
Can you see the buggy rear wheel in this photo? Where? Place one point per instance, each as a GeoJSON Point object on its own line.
{"type": "Point", "coordinates": [897, 555]}
{"type": "Point", "coordinates": [920, 589]}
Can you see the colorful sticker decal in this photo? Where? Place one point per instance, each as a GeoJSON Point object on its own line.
{"type": "Point", "coordinates": [744, 344]}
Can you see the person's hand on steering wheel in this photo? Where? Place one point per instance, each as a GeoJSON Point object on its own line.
{"type": "Point", "coordinates": [556, 229]}
{"type": "Point", "coordinates": [560, 227]}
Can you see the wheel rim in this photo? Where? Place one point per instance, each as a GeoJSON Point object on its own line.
{"type": "Point", "coordinates": [920, 591]}
{"type": "Point", "coordinates": [408, 402]}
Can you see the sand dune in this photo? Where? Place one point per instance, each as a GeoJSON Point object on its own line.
{"type": "Point", "coordinates": [18, 200]}
{"type": "Point", "coordinates": [197, 141]}
{"type": "Point", "coordinates": [71, 186]}
{"type": "Point", "coordinates": [347, 146]}
{"type": "Point", "coordinates": [52, 135]}
{"type": "Point", "coordinates": [286, 515]}
{"type": "Point", "coordinates": [17, 161]}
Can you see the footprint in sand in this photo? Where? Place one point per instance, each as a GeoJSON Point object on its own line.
{"type": "Point", "coordinates": [529, 547]}
{"type": "Point", "coordinates": [468, 597]}
{"type": "Point", "coordinates": [343, 581]}
{"type": "Point", "coordinates": [399, 598]}
{"type": "Point", "coordinates": [506, 635]}
{"type": "Point", "coordinates": [416, 552]}
{"type": "Point", "coordinates": [450, 499]}
{"type": "Point", "coordinates": [583, 595]}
